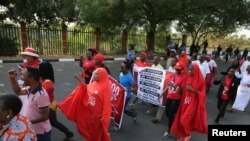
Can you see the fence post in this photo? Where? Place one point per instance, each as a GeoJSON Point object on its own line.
{"type": "Point", "coordinates": [124, 41]}
{"type": "Point", "coordinates": [97, 38]}
{"type": "Point", "coordinates": [24, 35]}
{"type": "Point", "coordinates": [64, 39]}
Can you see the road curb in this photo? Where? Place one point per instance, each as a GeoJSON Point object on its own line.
{"type": "Point", "coordinates": [2, 61]}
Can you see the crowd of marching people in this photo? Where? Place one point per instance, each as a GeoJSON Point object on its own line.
{"type": "Point", "coordinates": [34, 108]}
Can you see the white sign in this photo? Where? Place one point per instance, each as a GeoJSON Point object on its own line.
{"type": "Point", "coordinates": [150, 85]}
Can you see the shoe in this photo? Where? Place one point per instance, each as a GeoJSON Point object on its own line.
{"type": "Point", "coordinates": [230, 110]}
{"type": "Point", "coordinates": [115, 129]}
{"type": "Point", "coordinates": [166, 135]}
{"type": "Point", "coordinates": [132, 109]}
{"type": "Point", "coordinates": [131, 104]}
{"type": "Point", "coordinates": [216, 121]}
{"type": "Point", "coordinates": [135, 116]}
{"type": "Point", "coordinates": [149, 112]}
{"type": "Point", "coordinates": [154, 120]}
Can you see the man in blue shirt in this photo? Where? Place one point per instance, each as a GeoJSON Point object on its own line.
{"type": "Point", "coordinates": [126, 80]}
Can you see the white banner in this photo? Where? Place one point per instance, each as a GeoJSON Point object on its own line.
{"type": "Point", "coordinates": [150, 85]}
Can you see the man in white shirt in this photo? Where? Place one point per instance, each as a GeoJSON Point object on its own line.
{"type": "Point", "coordinates": [172, 55]}
{"type": "Point", "coordinates": [157, 65]}
{"type": "Point", "coordinates": [213, 71]}
{"type": "Point", "coordinates": [246, 63]}
{"type": "Point", "coordinates": [173, 62]}
{"type": "Point", "coordinates": [203, 65]}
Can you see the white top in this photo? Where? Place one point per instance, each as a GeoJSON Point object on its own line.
{"type": "Point", "coordinates": [171, 69]}
{"type": "Point", "coordinates": [204, 68]}
{"type": "Point", "coordinates": [159, 66]}
{"type": "Point", "coordinates": [212, 64]}
{"type": "Point", "coordinates": [243, 68]}
{"type": "Point", "coordinates": [244, 82]}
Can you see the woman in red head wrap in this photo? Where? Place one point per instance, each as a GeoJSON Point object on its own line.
{"type": "Point", "coordinates": [143, 61]}
{"type": "Point", "coordinates": [99, 58]}
{"type": "Point", "coordinates": [90, 106]}
{"type": "Point", "coordinates": [191, 115]}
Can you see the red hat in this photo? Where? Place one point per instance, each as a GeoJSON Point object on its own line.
{"type": "Point", "coordinates": [30, 52]}
{"type": "Point", "coordinates": [179, 66]}
{"type": "Point", "coordinates": [100, 57]}
{"type": "Point", "coordinates": [144, 54]}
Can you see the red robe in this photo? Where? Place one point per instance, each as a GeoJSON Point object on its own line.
{"type": "Point", "coordinates": [89, 106]}
{"type": "Point", "coordinates": [143, 64]}
{"type": "Point", "coordinates": [191, 115]}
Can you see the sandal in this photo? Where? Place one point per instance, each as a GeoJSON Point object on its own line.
{"type": "Point", "coordinates": [115, 129]}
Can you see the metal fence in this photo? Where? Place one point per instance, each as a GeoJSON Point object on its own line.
{"type": "Point", "coordinates": [79, 41]}
{"type": "Point", "coordinates": [48, 41]}
{"type": "Point", "coordinates": [111, 43]}
{"type": "Point", "coordinates": [12, 32]}
{"type": "Point", "coordinates": [45, 40]}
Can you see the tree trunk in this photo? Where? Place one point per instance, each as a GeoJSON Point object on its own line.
{"type": "Point", "coordinates": [64, 39]}
{"type": "Point", "coordinates": [124, 41]}
{"type": "Point", "coordinates": [24, 35]}
{"type": "Point", "coordinates": [150, 41]}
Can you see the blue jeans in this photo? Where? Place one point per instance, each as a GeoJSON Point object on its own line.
{"type": "Point", "coordinates": [44, 137]}
{"type": "Point", "coordinates": [126, 111]}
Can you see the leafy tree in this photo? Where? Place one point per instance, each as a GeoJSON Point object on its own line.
{"type": "Point", "coordinates": [219, 17]}
{"type": "Point", "coordinates": [66, 10]}
{"type": "Point", "coordinates": [101, 13]}
{"type": "Point", "coordinates": [149, 14]}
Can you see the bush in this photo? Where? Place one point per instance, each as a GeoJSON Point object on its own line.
{"type": "Point", "coordinates": [8, 47]}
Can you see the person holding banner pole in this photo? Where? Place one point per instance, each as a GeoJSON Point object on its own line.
{"type": "Point", "coordinates": [161, 110]}
{"type": "Point", "coordinates": [141, 63]}
{"type": "Point", "coordinates": [156, 65]}
{"type": "Point", "coordinates": [127, 81]}
{"type": "Point", "coordinates": [174, 92]}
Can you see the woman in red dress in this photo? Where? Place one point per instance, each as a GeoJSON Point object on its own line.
{"type": "Point", "coordinates": [89, 106]}
{"type": "Point", "coordinates": [191, 115]}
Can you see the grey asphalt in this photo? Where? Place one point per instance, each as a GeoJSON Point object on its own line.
{"type": "Point", "coordinates": [143, 129]}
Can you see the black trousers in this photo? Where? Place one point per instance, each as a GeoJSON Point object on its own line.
{"type": "Point", "coordinates": [221, 105]}
{"type": "Point", "coordinates": [172, 106]}
{"type": "Point", "coordinates": [55, 123]}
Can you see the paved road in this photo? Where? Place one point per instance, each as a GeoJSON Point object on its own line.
{"type": "Point", "coordinates": [143, 130]}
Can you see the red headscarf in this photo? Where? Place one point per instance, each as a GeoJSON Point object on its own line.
{"type": "Point", "coordinates": [144, 55]}
{"type": "Point", "coordinates": [100, 57]}
{"type": "Point", "coordinates": [192, 111]}
{"type": "Point", "coordinates": [183, 60]}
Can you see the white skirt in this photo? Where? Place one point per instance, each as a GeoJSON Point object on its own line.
{"type": "Point", "coordinates": [242, 99]}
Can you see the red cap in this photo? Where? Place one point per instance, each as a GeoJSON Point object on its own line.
{"type": "Point", "coordinates": [144, 54]}
{"type": "Point", "coordinates": [100, 57]}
